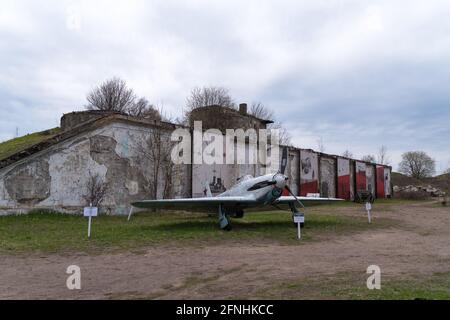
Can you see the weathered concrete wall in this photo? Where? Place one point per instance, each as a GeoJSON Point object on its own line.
{"type": "Point", "coordinates": [352, 180]}
{"type": "Point", "coordinates": [222, 176]}
{"type": "Point", "coordinates": [293, 170]}
{"type": "Point", "coordinates": [327, 177]}
{"type": "Point", "coordinates": [387, 182]}
{"type": "Point", "coordinates": [215, 117]}
{"type": "Point", "coordinates": [57, 177]}
{"type": "Point", "coordinates": [370, 178]}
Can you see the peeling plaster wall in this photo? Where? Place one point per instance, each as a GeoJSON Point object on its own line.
{"type": "Point", "coordinates": [327, 177]}
{"type": "Point", "coordinates": [56, 178]}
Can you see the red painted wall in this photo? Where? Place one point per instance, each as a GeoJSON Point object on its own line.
{"type": "Point", "coordinates": [380, 182]}
{"type": "Point", "coordinates": [309, 187]}
{"type": "Point", "coordinates": [361, 181]}
{"type": "Point", "coordinates": [344, 187]}
{"type": "Point", "coordinates": [343, 181]}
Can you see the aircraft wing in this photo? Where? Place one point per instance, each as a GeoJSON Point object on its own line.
{"type": "Point", "coordinates": [195, 204]}
{"type": "Point", "coordinates": [306, 200]}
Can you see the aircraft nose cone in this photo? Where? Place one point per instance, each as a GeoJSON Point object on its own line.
{"type": "Point", "coordinates": [281, 181]}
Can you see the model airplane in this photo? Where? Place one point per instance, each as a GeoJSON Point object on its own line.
{"type": "Point", "coordinates": [249, 192]}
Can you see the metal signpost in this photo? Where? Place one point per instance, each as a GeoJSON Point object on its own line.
{"type": "Point", "coordinates": [90, 212]}
{"type": "Point", "coordinates": [299, 219]}
{"type": "Point", "coordinates": [369, 209]}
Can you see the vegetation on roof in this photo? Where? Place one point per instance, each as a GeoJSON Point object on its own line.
{"type": "Point", "coordinates": [10, 147]}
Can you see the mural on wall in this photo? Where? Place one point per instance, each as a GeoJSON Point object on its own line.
{"type": "Point", "coordinates": [220, 177]}
{"type": "Point", "coordinates": [361, 181]}
{"type": "Point", "coordinates": [370, 178]}
{"type": "Point", "coordinates": [309, 172]}
{"type": "Point", "coordinates": [343, 178]}
{"type": "Point", "coordinates": [327, 177]}
{"type": "Point", "coordinates": [380, 182]}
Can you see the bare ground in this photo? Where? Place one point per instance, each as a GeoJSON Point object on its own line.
{"type": "Point", "coordinates": [417, 245]}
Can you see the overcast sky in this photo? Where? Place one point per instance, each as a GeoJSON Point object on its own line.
{"type": "Point", "coordinates": [357, 74]}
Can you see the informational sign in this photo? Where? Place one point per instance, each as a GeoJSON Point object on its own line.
{"type": "Point", "coordinates": [90, 212]}
{"type": "Point", "coordinates": [299, 218]}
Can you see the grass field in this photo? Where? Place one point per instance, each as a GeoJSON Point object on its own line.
{"type": "Point", "coordinates": [10, 147]}
{"type": "Point", "coordinates": [54, 232]}
{"type": "Point", "coordinates": [186, 256]}
{"type": "Point", "coordinates": [350, 286]}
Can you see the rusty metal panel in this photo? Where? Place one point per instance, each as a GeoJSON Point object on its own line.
{"type": "Point", "coordinates": [380, 183]}
{"type": "Point", "coordinates": [309, 172]}
{"type": "Point", "coordinates": [343, 178]}
{"type": "Point", "coordinates": [361, 181]}
{"type": "Point", "coordinates": [327, 177]}
{"type": "Point", "coordinates": [370, 178]}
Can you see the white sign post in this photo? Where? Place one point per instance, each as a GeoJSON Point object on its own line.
{"type": "Point", "coordinates": [369, 209]}
{"type": "Point", "coordinates": [90, 212]}
{"type": "Point", "coordinates": [299, 219]}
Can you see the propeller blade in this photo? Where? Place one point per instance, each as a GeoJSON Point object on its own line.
{"type": "Point", "coordinates": [284, 159]}
{"type": "Point", "coordinates": [290, 191]}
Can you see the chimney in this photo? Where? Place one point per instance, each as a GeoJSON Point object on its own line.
{"type": "Point", "coordinates": [243, 108]}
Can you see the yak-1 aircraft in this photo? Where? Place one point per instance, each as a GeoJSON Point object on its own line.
{"type": "Point", "coordinates": [257, 193]}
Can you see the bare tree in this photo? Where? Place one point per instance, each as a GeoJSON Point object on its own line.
{"type": "Point", "coordinates": [347, 154]}
{"type": "Point", "coordinates": [383, 157]}
{"type": "Point", "coordinates": [114, 95]}
{"type": "Point", "coordinates": [143, 109]}
{"type": "Point", "coordinates": [207, 96]}
{"type": "Point", "coordinates": [417, 164]}
{"type": "Point", "coordinates": [111, 95]}
{"type": "Point", "coordinates": [156, 151]}
{"type": "Point", "coordinates": [95, 190]}
{"type": "Point", "coordinates": [369, 158]}
{"type": "Point", "coordinates": [259, 110]}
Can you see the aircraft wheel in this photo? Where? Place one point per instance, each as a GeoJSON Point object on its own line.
{"type": "Point", "coordinates": [227, 228]}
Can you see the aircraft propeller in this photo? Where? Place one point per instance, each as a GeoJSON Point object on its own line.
{"type": "Point", "coordinates": [283, 166]}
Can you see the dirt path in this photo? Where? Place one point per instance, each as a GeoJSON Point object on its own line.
{"type": "Point", "coordinates": [419, 246]}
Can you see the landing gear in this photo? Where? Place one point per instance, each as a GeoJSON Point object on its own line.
{"type": "Point", "coordinates": [224, 220]}
{"type": "Point", "coordinates": [297, 213]}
